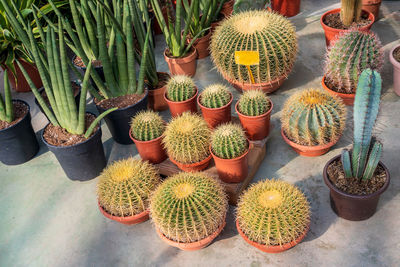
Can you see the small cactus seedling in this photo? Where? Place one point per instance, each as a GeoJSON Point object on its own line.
{"type": "Point", "coordinates": [229, 141]}
{"type": "Point", "coordinates": [6, 107]}
{"type": "Point", "coordinates": [273, 213]}
{"type": "Point", "coordinates": [245, 5]}
{"type": "Point", "coordinates": [147, 125]}
{"type": "Point", "coordinates": [180, 88]}
{"type": "Point", "coordinates": [187, 138]}
{"type": "Point", "coordinates": [188, 207]}
{"type": "Point", "coordinates": [125, 186]}
{"type": "Point", "coordinates": [215, 96]}
{"type": "Point", "coordinates": [313, 117]}
{"type": "Point", "coordinates": [352, 53]}
{"type": "Point", "coordinates": [254, 103]}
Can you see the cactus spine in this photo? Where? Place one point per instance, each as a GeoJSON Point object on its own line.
{"type": "Point", "coordinates": [254, 103]}
{"type": "Point", "coordinates": [180, 88]}
{"type": "Point", "coordinates": [229, 141]}
{"type": "Point", "coordinates": [245, 5]}
{"type": "Point", "coordinates": [147, 125]}
{"type": "Point", "coordinates": [6, 107]}
{"type": "Point", "coordinates": [313, 117]}
{"type": "Point", "coordinates": [273, 213]}
{"type": "Point", "coordinates": [352, 53]}
{"type": "Point", "coordinates": [215, 96]}
{"type": "Point", "coordinates": [188, 207]}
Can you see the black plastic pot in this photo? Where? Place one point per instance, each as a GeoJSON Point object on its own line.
{"type": "Point", "coordinates": [118, 121]}
{"type": "Point", "coordinates": [354, 207]}
{"type": "Point", "coordinates": [83, 161]}
{"type": "Point", "coordinates": [83, 70]}
{"type": "Point", "coordinates": [18, 143]}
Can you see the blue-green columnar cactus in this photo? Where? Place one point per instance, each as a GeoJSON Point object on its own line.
{"type": "Point", "coordinates": [244, 5]}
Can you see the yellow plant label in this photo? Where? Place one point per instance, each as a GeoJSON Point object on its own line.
{"type": "Point", "coordinates": [247, 58]}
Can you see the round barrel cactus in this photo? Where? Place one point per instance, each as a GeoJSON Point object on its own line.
{"type": "Point", "coordinates": [229, 141]}
{"type": "Point", "coordinates": [147, 125]}
{"type": "Point", "coordinates": [215, 96]}
{"type": "Point", "coordinates": [273, 213]}
{"type": "Point", "coordinates": [254, 103]}
{"type": "Point", "coordinates": [272, 35]}
{"type": "Point", "coordinates": [313, 117]}
{"type": "Point", "coordinates": [180, 88]}
{"type": "Point", "coordinates": [188, 207]}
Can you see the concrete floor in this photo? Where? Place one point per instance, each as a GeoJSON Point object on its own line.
{"type": "Point", "coordinates": [48, 220]}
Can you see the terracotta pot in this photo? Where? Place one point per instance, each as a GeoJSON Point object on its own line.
{"type": "Point", "coordinates": [227, 8]}
{"type": "Point", "coordinates": [354, 207]}
{"type": "Point", "coordinates": [202, 45]}
{"type": "Point", "coordinates": [193, 167]}
{"type": "Point", "coordinates": [308, 151]}
{"type": "Point", "coordinates": [331, 33]}
{"type": "Point", "coordinates": [177, 108]}
{"type": "Point", "coordinates": [372, 6]}
{"type": "Point", "coordinates": [396, 72]}
{"type": "Point", "coordinates": [129, 220]}
{"type": "Point", "coordinates": [152, 151]}
{"type": "Point", "coordinates": [216, 116]}
{"type": "Point", "coordinates": [19, 83]}
{"type": "Point", "coordinates": [194, 245]}
{"type": "Point", "coordinates": [288, 8]}
{"type": "Point", "coordinates": [156, 100]}
{"type": "Point", "coordinates": [185, 65]}
{"type": "Point", "coordinates": [232, 170]}
{"type": "Point", "coordinates": [267, 87]}
{"type": "Point", "coordinates": [256, 127]}
{"type": "Point", "coordinates": [348, 99]}
{"type": "Point", "coordinates": [271, 249]}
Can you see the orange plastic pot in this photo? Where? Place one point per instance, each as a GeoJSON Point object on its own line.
{"type": "Point", "coordinates": [227, 8]}
{"type": "Point", "coordinates": [193, 167]}
{"type": "Point", "coordinates": [271, 249]}
{"type": "Point", "coordinates": [129, 220]}
{"type": "Point", "coordinates": [177, 108]}
{"type": "Point", "coordinates": [372, 6]}
{"type": "Point", "coordinates": [348, 99]}
{"type": "Point", "coordinates": [216, 116]}
{"type": "Point", "coordinates": [309, 151]}
{"type": "Point", "coordinates": [152, 151]}
{"type": "Point", "coordinates": [184, 65]}
{"type": "Point", "coordinates": [288, 8]}
{"type": "Point", "coordinates": [156, 100]}
{"type": "Point", "coordinates": [202, 45]}
{"type": "Point", "coordinates": [332, 34]}
{"type": "Point", "coordinates": [19, 83]}
{"type": "Point", "coordinates": [267, 87]}
{"type": "Point", "coordinates": [256, 127]}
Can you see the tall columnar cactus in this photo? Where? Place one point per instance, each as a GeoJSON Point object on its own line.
{"type": "Point", "coordinates": [313, 117]}
{"type": "Point", "coordinates": [254, 103]}
{"type": "Point", "coordinates": [229, 141]}
{"type": "Point", "coordinates": [215, 96]}
{"type": "Point", "coordinates": [180, 88]}
{"type": "Point", "coordinates": [350, 11]}
{"type": "Point", "coordinates": [273, 213]}
{"type": "Point", "coordinates": [187, 138]}
{"type": "Point", "coordinates": [367, 150]}
{"type": "Point", "coordinates": [245, 5]}
{"type": "Point", "coordinates": [352, 53]}
{"type": "Point", "coordinates": [125, 186]}
{"type": "Point", "coordinates": [272, 35]}
{"type": "Point", "coordinates": [6, 107]}
{"type": "Point", "coordinates": [147, 125]}
{"type": "Point", "coordinates": [188, 207]}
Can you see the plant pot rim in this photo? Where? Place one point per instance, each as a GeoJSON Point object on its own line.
{"type": "Point", "coordinates": [190, 165]}
{"type": "Point", "coordinates": [371, 2]}
{"type": "Point", "coordinates": [192, 53]}
{"type": "Point", "coordinates": [272, 249]}
{"type": "Point", "coordinates": [249, 146]}
{"type": "Point", "coordinates": [394, 62]}
{"type": "Point", "coordinates": [337, 10]}
{"type": "Point", "coordinates": [144, 142]}
{"type": "Point", "coordinates": [359, 197]}
{"type": "Point", "coordinates": [199, 39]}
{"type": "Point", "coordinates": [261, 85]}
{"type": "Point", "coordinates": [23, 118]}
{"type": "Point", "coordinates": [84, 68]}
{"type": "Point", "coordinates": [254, 117]}
{"type": "Point", "coordinates": [146, 93]}
{"type": "Point", "coordinates": [302, 147]}
{"type": "Point", "coordinates": [181, 102]}
{"type": "Point", "coordinates": [342, 95]}
{"type": "Point", "coordinates": [214, 109]}
{"type": "Point", "coordinates": [127, 219]}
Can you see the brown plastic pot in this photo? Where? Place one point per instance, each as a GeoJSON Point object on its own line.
{"type": "Point", "coordinates": [396, 71]}
{"type": "Point", "coordinates": [348, 99]}
{"type": "Point", "coordinates": [202, 45]}
{"type": "Point", "coordinates": [308, 151]}
{"type": "Point", "coordinates": [216, 116]}
{"type": "Point", "coordinates": [184, 65]}
{"type": "Point", "coordinates": [288, 8]}
{"type": "Point", "coordinates": [129, 220]}
{"type": "Point", "coordinates": [227, 8]}
{"type": "Point", "coordinates": [267, 87]}
{"type": "Point", "coordinates": [256, 127]}
{"type": "Point", "coordinates": [372, 6]}
{"type": "Point", "coordinates": [156, 100]}
{"type": "Point", "coordinates": [332, 34]}
{"type": "Point", "coordinates": [354, 207]}
{"type": "Point", "coordinates": [152, 151]}
{"type": "Point", "coordinates": [19, 83]}
{"type": "Point", "coordinates": [193, 167]}
{"type": "Point", "coordinates": [177, 108]}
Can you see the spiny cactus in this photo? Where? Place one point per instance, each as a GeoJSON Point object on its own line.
{"type": "Point", "coordinates": [273, 213]}
{"type": "Point", "coordinates": [188, 207]}
{"type": "Point", "coordinates": [313, 117]}
{"type": "Point", "coordinates": [187, 138]}
{"type": "Point", "coordinates": [229, 141]}
{"type": "Point", "coordinates": [245, 5]}
{"type": "Point", "coordinates": [215, 96]}
{"type": "Point", "coordinates": [124, 187]}
{"type": "Point", "coordinates": [147, 125]}
{"type": "Point", "coordinates": [180, 88]}
{"type": "Point", "coordinates": [254, 103]}
{"type": "Point", "coordinates": [352, 53]}
{"type": "Point", "coordinates": [367, 150]}
{"type": "Point", "coordinates": [6, 107]}
{"type": "Point", "coordinates": [272, 35]}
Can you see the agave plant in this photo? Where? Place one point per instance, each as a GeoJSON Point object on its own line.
{"type": "Point", "coordinates": [6, 106]}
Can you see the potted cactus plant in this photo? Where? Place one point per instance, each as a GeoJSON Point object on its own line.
{"type": "Point", "coordinates": [147, 129]}
{"type": "Point", "coordinates": [198, 204]}
{"type": "Point", "coordinates": [395, 60]}
{"type": "Point", "coordinates": [237, 33]}
{"type": "Point", "coordinates": [187, 141]}
{"type": "Point", "coordinates": [124, 189]}
{"type": "Point", "coordinates": [215, 104]}
{"type": "Point", "coordinates": [312, 122]}
{"type": "Point", "coordinates": [180, 94]}
{"type": "Point", "coordinates": [273, 216]}
{"type": "Point", "coordinates": [254, 110]}
{"type": "Point", "coordinates": [17, 139]}
{"type": "Point", "coordinates": [229, 149]}
{"type": "Point", "coordinates": [357, 178]}
{"type": "Point", "coordinates": [346, 59]}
